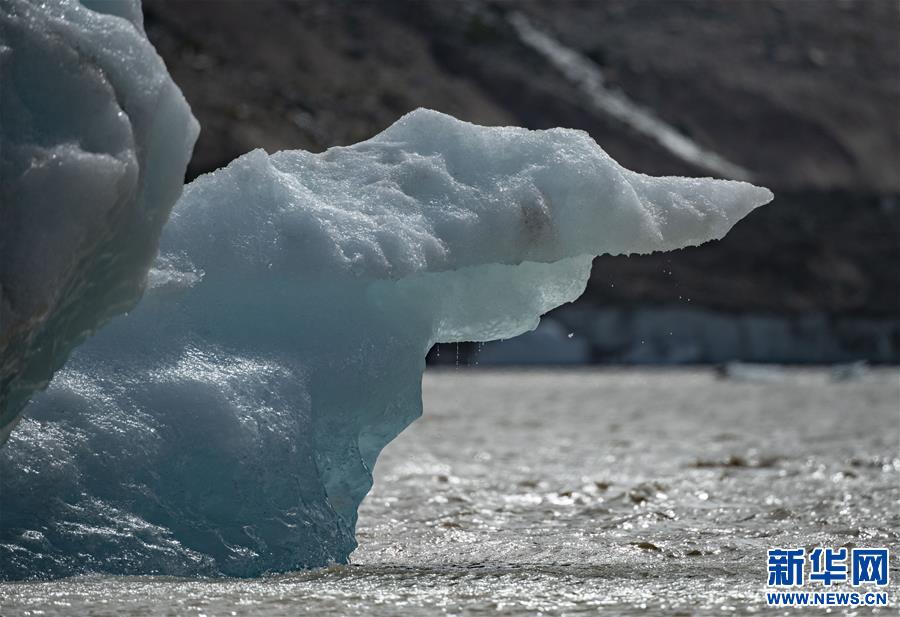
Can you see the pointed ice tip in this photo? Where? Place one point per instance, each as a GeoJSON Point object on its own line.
{"type": "Point", "coordinates": [763, 195]}
{"type": "Point", "coordinates": [730, 201]}
{"type": "Point", "coordinates": [746, 197]}
{"type": "Point", "coordinates": [691, 211]}
{"type": "Point", "coordinates": [722, 203]}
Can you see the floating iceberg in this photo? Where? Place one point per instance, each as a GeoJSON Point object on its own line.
{"type": "Point", "coordinates": [94, 141]}
{"type": "Point", "coordinates": [230, 424]}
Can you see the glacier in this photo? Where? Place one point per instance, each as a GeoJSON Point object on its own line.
{"type": "Point", "coordinates": [94, 141]}
{"type": "Point", "coordinates": [229, 424]}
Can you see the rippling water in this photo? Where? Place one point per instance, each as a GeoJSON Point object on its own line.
{"type": "Point", "coordinates": [577, 492]}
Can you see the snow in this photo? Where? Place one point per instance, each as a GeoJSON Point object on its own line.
{"type": "Point", "coordinates": [95, 140]}
{"type": "Point", "coordinates": [230, 424]}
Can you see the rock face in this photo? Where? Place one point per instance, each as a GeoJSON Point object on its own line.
{"type": "Point", "coordinates": [95, 140]}
{"type": "Point", "coordinates": [231, 422]}
{"type": "Point", "coordinates": [800, 94]}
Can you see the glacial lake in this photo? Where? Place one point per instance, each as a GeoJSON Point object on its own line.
{"type": "Point", "coordinates": [578, 492]}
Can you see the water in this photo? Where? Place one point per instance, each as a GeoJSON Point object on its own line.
{"type": "Point", "coordinates": [577, 492]}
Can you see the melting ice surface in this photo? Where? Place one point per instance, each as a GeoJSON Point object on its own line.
{"type": "Point", "coordinates": [94, 140]}
{"type": "Point", "coordinates": [231, 422]}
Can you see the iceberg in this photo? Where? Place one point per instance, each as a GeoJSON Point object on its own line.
{"type": "Point", "coordinates": [94, 141]}
{"type": "Point", "coordinates": [229, 424]}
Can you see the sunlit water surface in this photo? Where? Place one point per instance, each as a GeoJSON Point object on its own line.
{"type": "Point", "coordinates": [579, 492]}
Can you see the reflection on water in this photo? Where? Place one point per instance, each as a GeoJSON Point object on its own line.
{"type": "Point", "coordinates": [565, 493]}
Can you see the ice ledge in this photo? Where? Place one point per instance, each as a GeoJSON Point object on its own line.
{"type": "Point", "coordinates": [432, 193]}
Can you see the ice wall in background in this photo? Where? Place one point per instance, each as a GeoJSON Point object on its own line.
{"type": "Point", "coordinates": [94, 141]}
{"type": "Point", "coordinates": [231, 422]}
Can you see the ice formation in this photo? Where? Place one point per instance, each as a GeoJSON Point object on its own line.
{"type": "Point", "coordinates": [94, 141]}
{"type": "Point", "coordinates": [229, 425]}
